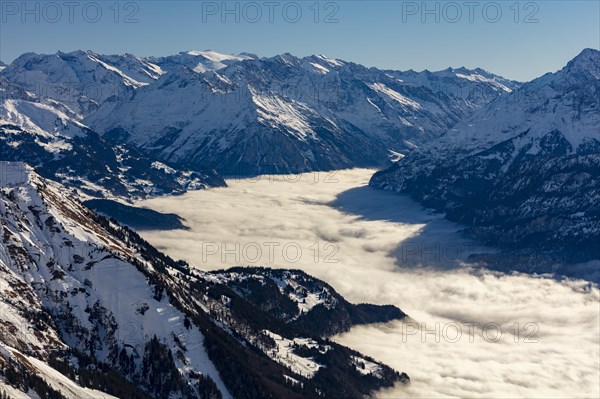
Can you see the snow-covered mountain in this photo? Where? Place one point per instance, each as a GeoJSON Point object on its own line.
{"type": "Point", "coordinates": [64, 149]}
{"type": "Point", "coordinates": [198, 61]}
{"type": "Point", "coordinates": [242, 114]}
{"type": "Point", "coordinates": [289, 114]}
{"type": "Point", "coordinates": [88, 306]}
{"type": "Point", "coordinates": [81, 80]}
{"type": "Point", "coordinates": [523, 171]}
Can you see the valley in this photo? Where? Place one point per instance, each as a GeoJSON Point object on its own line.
{"type": "Point", "coordinates": [379, 247]}
{"type": "Point", "coordinates": [207, 225]}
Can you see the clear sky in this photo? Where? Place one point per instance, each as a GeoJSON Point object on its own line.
{"type": "Point", "coordinates": [517, 39]}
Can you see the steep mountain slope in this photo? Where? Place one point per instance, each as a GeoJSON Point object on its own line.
{"type": "Point", "coordinates": [476, 87]}
{"type": "Point", "coordinates": [82, 80]}
{"type": "Point", "coordinates": [100, 304]}
{"type": "Point", "coordinates": [289, 114]}
{"type": "Point", "coordinates": [88, 306]}
{"type": "Point", "coordinates": [524, 171]}
{"type": "Point", "coordinates": [65, 150]}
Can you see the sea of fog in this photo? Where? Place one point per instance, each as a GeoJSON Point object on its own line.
{"type": "Point", "coordinates": [471, 333]}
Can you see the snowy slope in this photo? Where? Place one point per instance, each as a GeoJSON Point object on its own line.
{"type": "Point", "coordinates": [565, 101]}
{"type": "Point", "coordinates": [524, 171]}
{"type": "Point", "coordinates": [68, 388]}
{"type": "Point", "coordinates": [66, 150]}
{"type": "Point", "coordinates": [90, 298]}
{"type": "Point", "coordinates": [244, 115]}
{"type": "Point", "coordinates": [476, 87]}
{"type": "Point", "coordinates": [54, 245]}
{"type": "Point", "coordinates": [81, 80]}
{"type": "Point", "coordinates": [288, 114]}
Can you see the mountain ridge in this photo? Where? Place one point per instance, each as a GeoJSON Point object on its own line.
{"type": "Point", "coordinates": [523, 171]}
{"type": "Point", "coordinates": [100, 308]}
{"type": "Point", "coordinates": [319, 113]}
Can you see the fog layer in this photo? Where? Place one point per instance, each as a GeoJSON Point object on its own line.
{"type": "Point", "coordinates": [472, 332]}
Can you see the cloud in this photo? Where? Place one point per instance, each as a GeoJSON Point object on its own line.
{"type": "Point", "coordinates": [379, 247]}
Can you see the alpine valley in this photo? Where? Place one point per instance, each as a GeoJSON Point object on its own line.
{"type": "Point", "coordinates": [89, 309]}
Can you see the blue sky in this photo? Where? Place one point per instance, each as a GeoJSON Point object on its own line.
{"type": "Point", "coordinates": [517, 39]}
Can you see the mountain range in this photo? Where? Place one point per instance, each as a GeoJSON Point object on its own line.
{"type": "Point", "coordinates": [201, 110]}
{"type": "Point", "coordinates": [88, 309]}
{"type": "Point", "coordinates": [287, 114]}
{"type": "Point", "coordinates": [124, 127]}
{"type": "Point", "coordinates": [523, 172]}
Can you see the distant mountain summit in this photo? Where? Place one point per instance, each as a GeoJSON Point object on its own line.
{"type": "Point", "coordinates": [524, 171]}
{"type": "Point", "coordinates": [199, 61]}
{"type": "Point", "coordinates": [81, 80]}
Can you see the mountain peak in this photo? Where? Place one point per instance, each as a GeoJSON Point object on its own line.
{"type": "Point", "coordinates": [76, 53]}
{"type": "Point", "coordinates": [215, 56]}
{"type": "Point", "coordinates": [589, 52]}
{"type": "Point", "coordinates": [330, 61]}
{"type": "Point", "coordinates": [588, 61]}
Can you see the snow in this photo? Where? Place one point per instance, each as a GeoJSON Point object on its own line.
{"type": "Point", "coordinates": [366, 367]}
{"type": "Point", "coordinates": [249, 103]}
{"type": "Point", "coordinates": [293, 381]}
{"type": "Point", "coordinates": [80, 80]}
{"type": "Point", "coordinates": [478, 78]}
{"type": "Point", "coordinates": [212, 61]}
{"type": "Point", "coordinates": [305, 300]}
{"type": "Point", "coordinates": [126, 79]}
{"type": "Point", "coordinates": [331, 61]}
{"type": "Point", "coordinates": [394, 95]}
{"type": "Point", "coordinates": [395, 156]}
{"type": "Point", "coordinates": [549, 103]}
{"type": "Point", "coordinates": [320, 68]}
{"type": "Point", "coordinates": [56, 380]}
{"type": "Point", "coordinates": [275, 112]}
{"type": "Point", "coordinates": [373, 104]}
{"type": "Point", "coordinates": [216, 57]}
{"type": "Point", "coordinates": [284, 354]}
{"type": "Point", "coordinates": [116, 286]}
{"type": "Point", "coordinates": [15, 393]}
{"type": "Point", "coordinates": [38, 118]}
{"type": "Point", "coordinates": [162, 166]}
